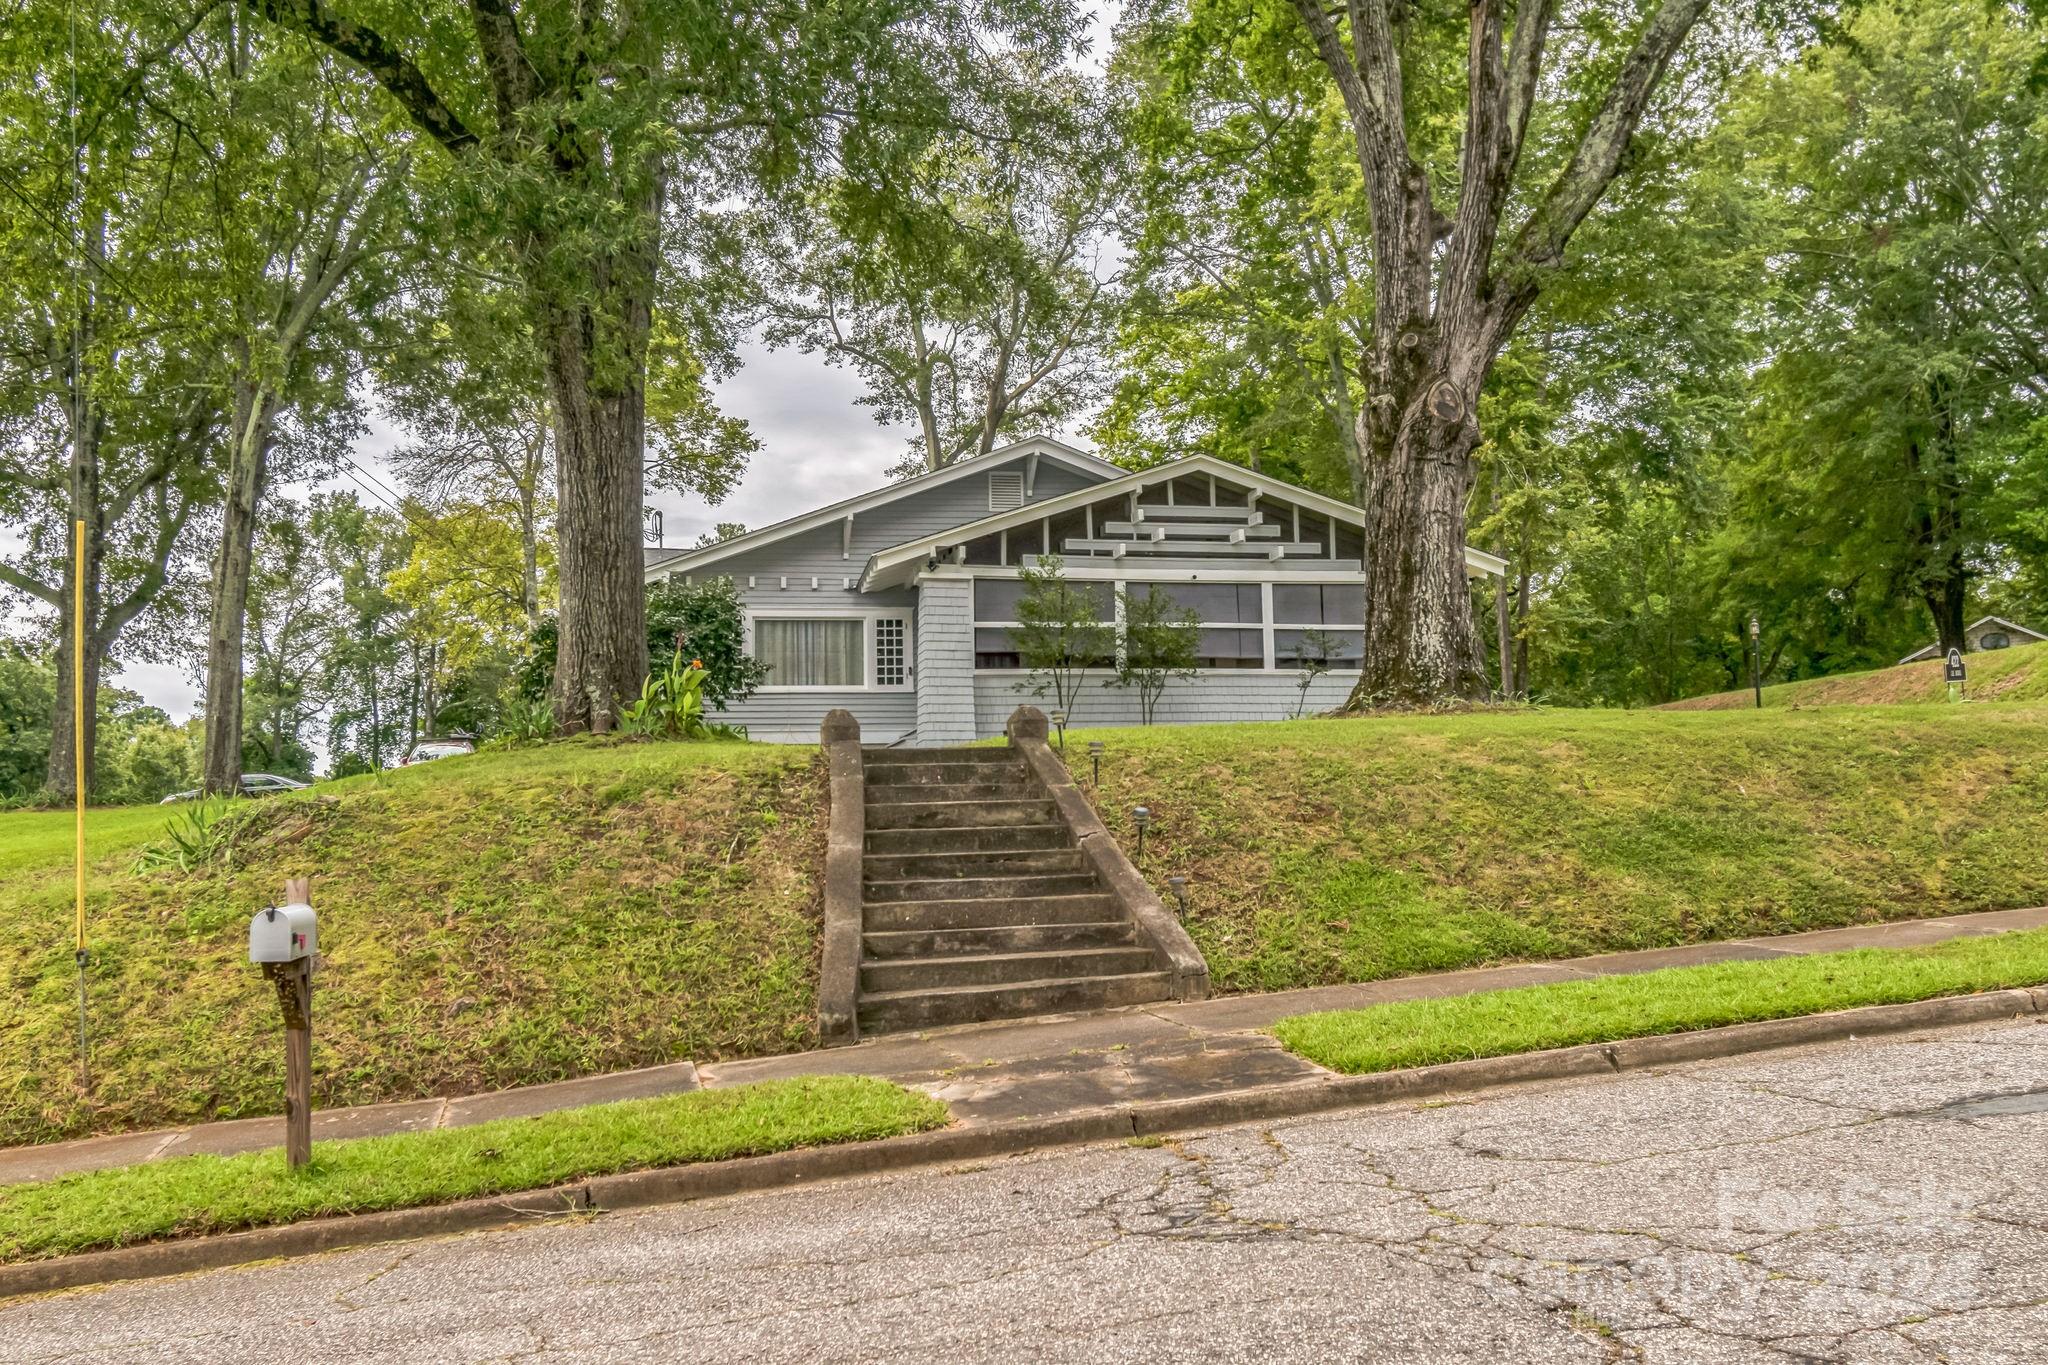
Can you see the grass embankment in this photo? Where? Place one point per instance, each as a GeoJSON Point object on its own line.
{"type": "Point", "coordinates": [486, 921]}
{"type": "Point", "coordinates": [1677, 1000]}
{"type": "Point", "coordinates": [2019, 674]}
{"type": "Point", "coordinates": [1327, 851]}
{"type": "Point", "coordinates": [191, 1196]}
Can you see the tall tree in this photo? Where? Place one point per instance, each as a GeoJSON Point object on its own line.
{"type": "Point", "coordinates": [977, 306]}
{"type": "Point", "coordinates": [1250, 250]}
{"type": "Point", "coordinates": [1910, 270]}
{"type": "Point", "coordinates": [304, 194]}
{"type": "Point", "coordinates": [109, 401]}
{"type": "Point", "coordinates": [1450, 286]}
{"type": "Point", "coordinates": [597, 142]}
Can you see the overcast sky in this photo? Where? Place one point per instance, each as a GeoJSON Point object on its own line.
{"type": "Point", "coordinates": [817, 446]}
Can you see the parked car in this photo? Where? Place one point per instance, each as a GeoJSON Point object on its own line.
{"type": "Point", "coordinates": [253, 784]}
{"type": "Point", "coordinates": [428, 749]}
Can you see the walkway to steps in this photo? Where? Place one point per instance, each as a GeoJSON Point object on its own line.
{"type": "Point", "coordinates": [976, 904]}
{"type": "Point", "coordinates": [1020, 1068]}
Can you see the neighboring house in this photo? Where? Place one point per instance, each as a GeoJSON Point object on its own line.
{"type": "Point", "coordinates": [1993, 632]}
{"type": "Point", "coordinates": [895, 604]}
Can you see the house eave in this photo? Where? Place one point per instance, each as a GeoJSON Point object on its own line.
{"type": "Point", "coordinates": [897, 565]}
{"type": "Point", "coordinates": [1038, 447]}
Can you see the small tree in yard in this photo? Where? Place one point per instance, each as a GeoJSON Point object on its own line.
{"type": "Point", "coordinates": [1060, 632]}
{"type": "Point", "coordinates": [1160, 640]}
{"type": "Point", "coordinates": [1312, 660]}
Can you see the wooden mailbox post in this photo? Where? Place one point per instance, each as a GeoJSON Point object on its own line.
{"type": "Point", "coordinates": [284, 941]}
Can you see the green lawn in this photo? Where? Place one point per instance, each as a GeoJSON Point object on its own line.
{"type": "Point", "coordinates": [502, 919]}
{"type": "Point", "coordinates": [1500, 1023]}
{"type": "Point", "coordinates": [2019, 674]}
{"type": "Point", "coordinates": [35, 842]}
{"type": "Point", "coordinates": [1323, 851]}
{"type": "Point", "coordinates": [190, 1196]}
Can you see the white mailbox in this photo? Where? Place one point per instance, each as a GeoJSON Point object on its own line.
{"type": "Point", "coordinates": [283, 933]}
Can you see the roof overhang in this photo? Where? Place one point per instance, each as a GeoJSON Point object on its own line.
{"type": "Point", "coordinates": [1933, 651]}
{"type": "Point", "coordinates": [898, 565]}
{"type": "Point", "coordinates": [1044, 447]}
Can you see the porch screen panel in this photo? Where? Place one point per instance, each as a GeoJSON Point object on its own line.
{"type": "Point", "coordinates": [1337, 648]}
{"type": "Point", "coordinates": [820, 653]}
{"type": "Point", "coordinates": [1319, 604]}
{"type": "Point", "coordinates": [1215, 603]}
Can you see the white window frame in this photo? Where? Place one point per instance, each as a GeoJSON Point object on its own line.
{"type": "Point", "coordinates": [867, 616]}
{"type": "Point", "coordinates": [1119, 578]}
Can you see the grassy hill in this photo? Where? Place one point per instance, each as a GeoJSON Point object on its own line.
{"type": "Point", "coordinates": [2019, 674]}
{"type": "Point", "coordinates": [530, 915]}
{"type": "Point", "coordinates": [487, 921]}
{"type": "Point", "coordinates": [1322, 851]}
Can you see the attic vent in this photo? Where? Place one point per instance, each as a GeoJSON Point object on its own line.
{"type": "Point", "coordinates": [1005, 491]}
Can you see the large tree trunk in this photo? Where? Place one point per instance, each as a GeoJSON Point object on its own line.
{"type": "Point", "coordinates": [600, 449]}
{"type": "Point", "coordinates": [83, 490]}
{"type": "Point", "coordinates": [61, 776]}
{"type": "Point", "coordinates": [601, 654]}
{"type": "Point", "coordinates": [1944, 576]}
{"type": "Point", "coordinates": [248, 458]}
{"type": "Point", "coordinates": [1417, 435]}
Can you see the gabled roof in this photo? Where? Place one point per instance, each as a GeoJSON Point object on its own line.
{"type": "Point", "coordinates": [886, 563]}
{"type": "Point", "coordinates": [1933, 651]}
{"type": "Point", "coordinates": [1043, 446]}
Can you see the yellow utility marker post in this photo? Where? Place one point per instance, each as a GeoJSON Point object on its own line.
{"type": "Point", "coordinates": [78, 760]}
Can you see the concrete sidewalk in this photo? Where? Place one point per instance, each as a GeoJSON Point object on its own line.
{"type": "Point", "coordinates": [1020, 1069]}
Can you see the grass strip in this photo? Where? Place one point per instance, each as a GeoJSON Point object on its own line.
{"type": "Point", "coordinates": [1674, 1000]}
{"type": "Point", "coordinates": [195, 1195]}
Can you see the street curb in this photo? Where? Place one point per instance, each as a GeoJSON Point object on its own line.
{"type": "Point", "coordinates": [706, 1180]}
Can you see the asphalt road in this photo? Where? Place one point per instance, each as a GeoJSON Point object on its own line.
{"type": "Point", "coordinates": [1863, 1202]}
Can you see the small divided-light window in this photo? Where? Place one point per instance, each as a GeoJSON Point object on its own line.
{"type": "Point", "coordinates": [1005, 491]}
{"type": "Point", "coordinates": [892, 657]}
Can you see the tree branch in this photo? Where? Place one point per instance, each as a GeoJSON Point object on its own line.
{"type": "Point", "coordinates": [1597, 159]}
{"type": "Point", "coordinates": [375, 54]}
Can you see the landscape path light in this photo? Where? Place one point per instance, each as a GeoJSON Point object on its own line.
{"type": "Point", "coordinates": [1095, 758]}
{"type": "Point", "coordinates": [1756, 659]}
{"type": "Point", "coordinates": [1180, 894]}
{"type": "Point", "coordinates": [1059, 720]}
{"type": "Point", "coordinates": [1143, 816]}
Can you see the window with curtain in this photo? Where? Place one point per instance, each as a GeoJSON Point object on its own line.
{"type": "Point", "coordinates": [818, 653]}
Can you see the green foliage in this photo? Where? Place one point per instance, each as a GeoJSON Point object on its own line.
{"type": "Point", "coordinates": [705, 621]}
{"type": "Point", "coordinates": [1061, 632]}
{"type": "Point", "coordinates": [972, 300]}
{"type": "Point", "coordinates": [197, 833]}
{"type": "Point", "coordinates": [671, 705]}
{"type": "Point", "coordinates": [1675, 1000]}
{"type": "Point", "coordinates": [526, 720]}
{"type": "Point", "coordinates": [1160, 640]}
{"type": "Point", "coordinates": [200, 1195]}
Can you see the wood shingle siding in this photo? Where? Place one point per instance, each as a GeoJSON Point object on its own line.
{"type": "Point", "coordinates": [1226, 695]}
{"type": "Point", "coordinates": [945, 662]}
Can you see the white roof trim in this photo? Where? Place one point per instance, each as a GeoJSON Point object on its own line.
{"type": "Point", "coordinates": [911, 551]}
{"type": "Point", "coordinates": [692, 560]}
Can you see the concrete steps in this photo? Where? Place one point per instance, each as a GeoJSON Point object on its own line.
{"type": "Point", "coordinates": [934, 1007]}
{"type": "Point", "coordinates": [975, 903]}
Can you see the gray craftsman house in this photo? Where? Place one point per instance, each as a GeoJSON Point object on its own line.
{"type": "Point", "coordinates": [897, 604]}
